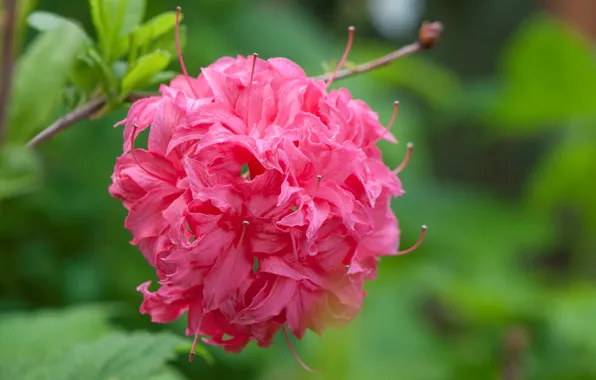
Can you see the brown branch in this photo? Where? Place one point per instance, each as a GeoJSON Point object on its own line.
{"type": "Point", "coordinates": [428, 35]}
{"type": "Point", "coordinates": [9, 18]}
{"type": "Point", "coordinates": [516, 341]}
{"type": "Point", "coordinates": [81, 113]}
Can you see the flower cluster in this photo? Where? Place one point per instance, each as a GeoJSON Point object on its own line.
{"type": "Point", "coordinates": [261, 200]}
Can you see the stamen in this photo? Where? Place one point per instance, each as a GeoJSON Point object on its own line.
{"type": "Point", "coordinates": [295, 354]}
{"type": "Point", "coordinates": [351, 30]}
{"type": "Point", "coordinates": [420, 239]}
{"type": "Point", "coordinates": [245, 224]}
{"type": "Point", "coordinates": [194, 345]}
{"type": "Point", "coordinates": [252, 73]}
{"type": "Point", "coordinates": [404, 163]}
{"type": "Point", "coordinates": [395, 108]}
{"type": "Point", "coordinates": [179, 51]}
{"type": "Point", "coordinates": [134, 156]}
{"type": "Point", "coordinates": [319, 177]}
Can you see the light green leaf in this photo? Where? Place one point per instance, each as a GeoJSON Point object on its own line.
{"type": "Point", "coordinates": [20, 170]}
{"type": "Point", "coordinates": [44, 21]}
{"type": "Point", "coordinates": [113, 20]}
{"type": "Point", "coordinates": [41, 75]}
{"type": "Point", "coordinates": [143, 71]}
{"type": "Point", "coordinates": [156, 27]}
{"type": "Point", "coordinates": [550, 76]}
{"type": "Point", "coordinates": [117, 356]}
{"type": "Point", "coordinates": [168, 43]}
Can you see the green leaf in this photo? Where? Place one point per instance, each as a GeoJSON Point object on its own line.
{"type": "Point", "coordinates": [168, 43]}
{"type": "Point", "coordinates": [53, 333]}
{"type": "Point", "coordinates": [113, 20]}
{"type": "Point", "coordinates": [117, 356]}
{"type": "Point", "coordinates": [550, 73]}
{"type": "Point", "coordinates": [45, 65]}
{"type": "Point", "coordinates": [143, 71]}
{"type": "Point", "coordinates": [20, 171]}
{"type": "Point", "coordinates": [44, 21]}
{"type": "Point", "coordinates": [156, 27]}
{"type": "Point", "coordinates": [85, 75]}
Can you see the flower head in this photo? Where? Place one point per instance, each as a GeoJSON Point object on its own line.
{"type": "Point", "coordinates": [261, 200]}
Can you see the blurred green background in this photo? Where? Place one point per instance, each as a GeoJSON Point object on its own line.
{"type": "Point", "coordinates": [502, 113]}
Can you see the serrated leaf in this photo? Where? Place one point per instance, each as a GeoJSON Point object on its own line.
{"type": "Point", "coordinates": [113, 20]}
{"type": "Point", "coordinates": [143, 71]}
{"type": "Point", "coordinates": [128, 356]}
{"type": "Point", "coordinates": [45, 65]}
{"type": "Point", "coordinates": [33, 339]}
{"type": "Point", "coordinates": [20, 171]}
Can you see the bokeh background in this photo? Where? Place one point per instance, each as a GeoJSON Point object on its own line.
{"type": "Point", "coordinates": [502, 113]}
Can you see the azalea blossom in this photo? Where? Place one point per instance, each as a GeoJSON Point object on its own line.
{"type": "Point", "coordinates": [261, 200]}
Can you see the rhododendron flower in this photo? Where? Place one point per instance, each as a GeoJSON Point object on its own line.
{"type": "Point", "coordinates": [261, 200]}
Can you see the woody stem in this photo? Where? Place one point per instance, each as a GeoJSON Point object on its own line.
{"type": "Point", "coordinates": [9, 18]}
{"type": "Point", "coordinates": [374, 64]}
{"type": "Point", "coordinates": [428, 36]}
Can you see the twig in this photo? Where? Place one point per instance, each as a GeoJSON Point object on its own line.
{"type": "Point", "coordinates": [428, 35]}
{"type": "Point", "coordinates": [516, 341]}
{"type": "Point", "coordinates": [9, 16]}
{"type": "Point", "coordinates": [81, 113]}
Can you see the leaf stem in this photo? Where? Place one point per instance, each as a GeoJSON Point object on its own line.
{"type": "Point", "coordinates": [9, 18]}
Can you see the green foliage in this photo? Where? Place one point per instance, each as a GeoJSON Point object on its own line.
{"type": "Point", "coordinates": [489, 262]}
{"type": "Point", "coordinates": [45, 65]}
{"type": "Point", "coordinates": [80, 343]}
{"type": "Point", "coordinates": [549, 77]}
{"type": "Point", "coordinates": [143, 70]}
{"type": "Point", "coordinates": [116, 356]}
{"type": "Point", "coordinates": [20, 170]}
{"type": "Point", "coordinates": [114, 20]}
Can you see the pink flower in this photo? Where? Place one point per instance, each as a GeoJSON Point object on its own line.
{"type": "Point", "coordinates": [261, 200]}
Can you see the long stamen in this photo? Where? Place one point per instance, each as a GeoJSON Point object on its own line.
{"type": "Point", "coordinates": [351, 30]}
{"type": "Point", "coordinates": [134, 156]}
{"type": "Point", "coordinates": [179, 51]}
{"type": "Point", "coordinates": [194, 345]}
{"type": "Point", "coordinates": [319, 178]}
{"type": "Point", "coordinates": [417, 244]}
{"type": "Point", "coordinates": [252, 73]}
{"type": "Point", "coordinates": [404, 163]}
{"type": "Point", "coordinates": [244, 226]}
{"type": "Point", "coordinates": [395, 109]}
{"type": "Point", "coordinates": [295, 354]}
